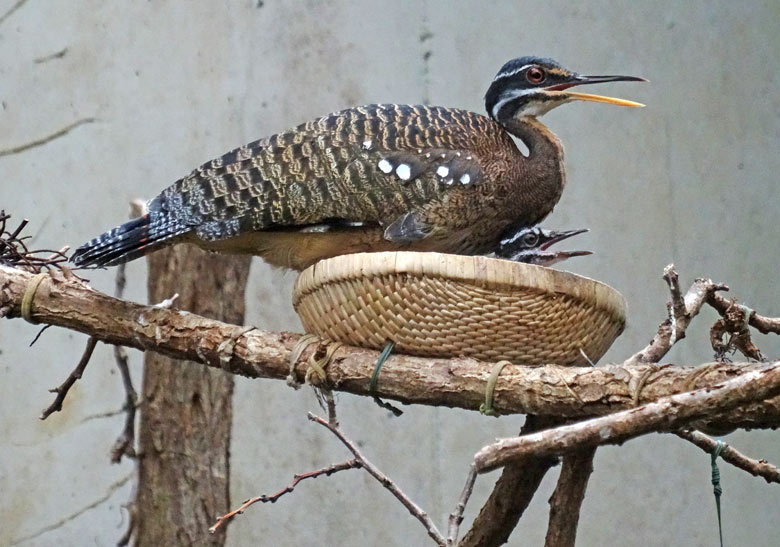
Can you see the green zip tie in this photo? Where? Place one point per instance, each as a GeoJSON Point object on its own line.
{"type": "Point", "coordinates": [388, 349]}
{"type": "Point", "coordinates": [717, 490]}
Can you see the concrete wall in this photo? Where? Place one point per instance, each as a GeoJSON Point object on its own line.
{"type": "Point", "coordinates": [690, 179]}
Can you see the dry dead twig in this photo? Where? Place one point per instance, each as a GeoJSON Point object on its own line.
{"type": "Point", "coordinates": [62, 389]}
{"type": "Point", "coordinates": [733, 327]}
{"type": "Point", "coordinates": [383, 479]}
{"type": "Point", "coordinates": [682, 310]}
{"type": "Point", "coordinates": [456, 517]}
{"type": "Point", "coordinates": [764, 325]}
{"type": "Point", "coordinates": [327, 471]}
{"type": "Point", "coordinates": [758, 468]}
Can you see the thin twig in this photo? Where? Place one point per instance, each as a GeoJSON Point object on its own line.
{"type": "Point", "coordinates": [109, 413]}
{"type": "Point", "coordinates": [327, 471]}
{"type": "Point", "coordinates": [14, 251]}
{"type": "Point", "coordinates": [456, 517]}
{"type": "Point", "coordinates": [62, 390]}
{"type": "Point", "coordinates": [385, 481]}
{"type": "Point", "coordinates": [758, 468]}
{"type": "Point", "coordinates": [566, 500]}
{"type": "Point", "coordinates": [125, 443]}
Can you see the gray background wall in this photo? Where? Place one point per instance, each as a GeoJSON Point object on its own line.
{"type": "Point", "coordinates": [691, 179]}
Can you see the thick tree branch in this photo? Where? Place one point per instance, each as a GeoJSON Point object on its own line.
{"type": "Point", "coordinates": [454, 382]}
{"type": "Point", "coordinates": [511, 494]}
{"type": "Point", "coordinates": [566, 500]}
{"type": "Point", "coordinates": [458, 382]}
{"type": "Point", "coordinates": [666, 414]}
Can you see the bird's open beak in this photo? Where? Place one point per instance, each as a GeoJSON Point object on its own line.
{"type": "Point", "coordinates": [562, 89]}
{"type": "Point", "coordinates": [560, 236]}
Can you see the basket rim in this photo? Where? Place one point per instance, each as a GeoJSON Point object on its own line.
{"type": "Point", "coordinates": [481, 271]}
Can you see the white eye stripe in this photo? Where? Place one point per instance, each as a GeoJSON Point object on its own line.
{"type": "Point", "coordinates": [510, 73]}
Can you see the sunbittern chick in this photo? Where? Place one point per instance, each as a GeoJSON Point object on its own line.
{"type": "Point", "coordinates": [530, 245]}
{"type": "Point", "coordinates": [372, 178]}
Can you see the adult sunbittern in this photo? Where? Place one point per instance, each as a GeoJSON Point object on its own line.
{"type": "Point", "coordinates": [372, 178]}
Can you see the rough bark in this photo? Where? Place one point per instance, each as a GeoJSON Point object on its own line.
{"type": "Point", "coordinates": [184, 436]}
{"type": "Point", "coordinates": [666, 414]}
{"type": "Point", "coordinates": [568, 392]}
{"type": "Point", "coordinates": [511, 495]}
{"type": "Point", "coordinates": [566, 500]}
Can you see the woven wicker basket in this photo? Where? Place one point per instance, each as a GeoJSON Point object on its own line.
{"type": "Point", "coordinates": [441, 305]}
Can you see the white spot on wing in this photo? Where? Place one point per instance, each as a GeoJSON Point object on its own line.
{"type": "Point", "coordinates": [403, 171]}
{"type": "Point", "coordinates": [367, 145]}
{"type": "Point", "coordinates": [443, 171]}
{"type": "Point", "coordinates": [385, 166]}
{"type": "Point", "coordinates": [465, 178]}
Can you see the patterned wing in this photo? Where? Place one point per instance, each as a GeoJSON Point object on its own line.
{"type": "Point", "coordinates": [373, 164]}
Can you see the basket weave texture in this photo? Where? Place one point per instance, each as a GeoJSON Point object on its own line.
{"type": "Point", "coordinates": [441, 305]}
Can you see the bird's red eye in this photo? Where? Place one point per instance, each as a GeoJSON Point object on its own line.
{"type": "Point", "coordinates": [535, 75]}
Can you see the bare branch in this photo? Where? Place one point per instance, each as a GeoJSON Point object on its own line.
{"type": "Point", "coordinates": [681, 311]}
{"type": "Point", "coordinates": [764, 325]}
{"type": "Point", "coordinates": [456, 517]}
{"type": "Point", "coordinates": [125, 443]}
{"type": "Point", "coordinates": [384, 480]}
{"type": "Point", "coordinates": [511, 494]}
{"type": "Point", "coordinates": [62, 390]}
{"type": "Point", "coordinates": [666, 414]}
{"type": "Point", "coordinates": [566, 500]}
{"type": "Point", "coordinates": [457, 382]}
{"type": "Point", "coordinates": [327, 471]}
{"type": "Point", "coordinates": [47, 139]}
{"type": "Point", "coordinates": [733, 327]}
{"type": "Point", "coordinates": [757, 468]}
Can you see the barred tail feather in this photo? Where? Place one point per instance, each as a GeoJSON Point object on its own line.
{"type": "Point", "coordinates": [128, 241]}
